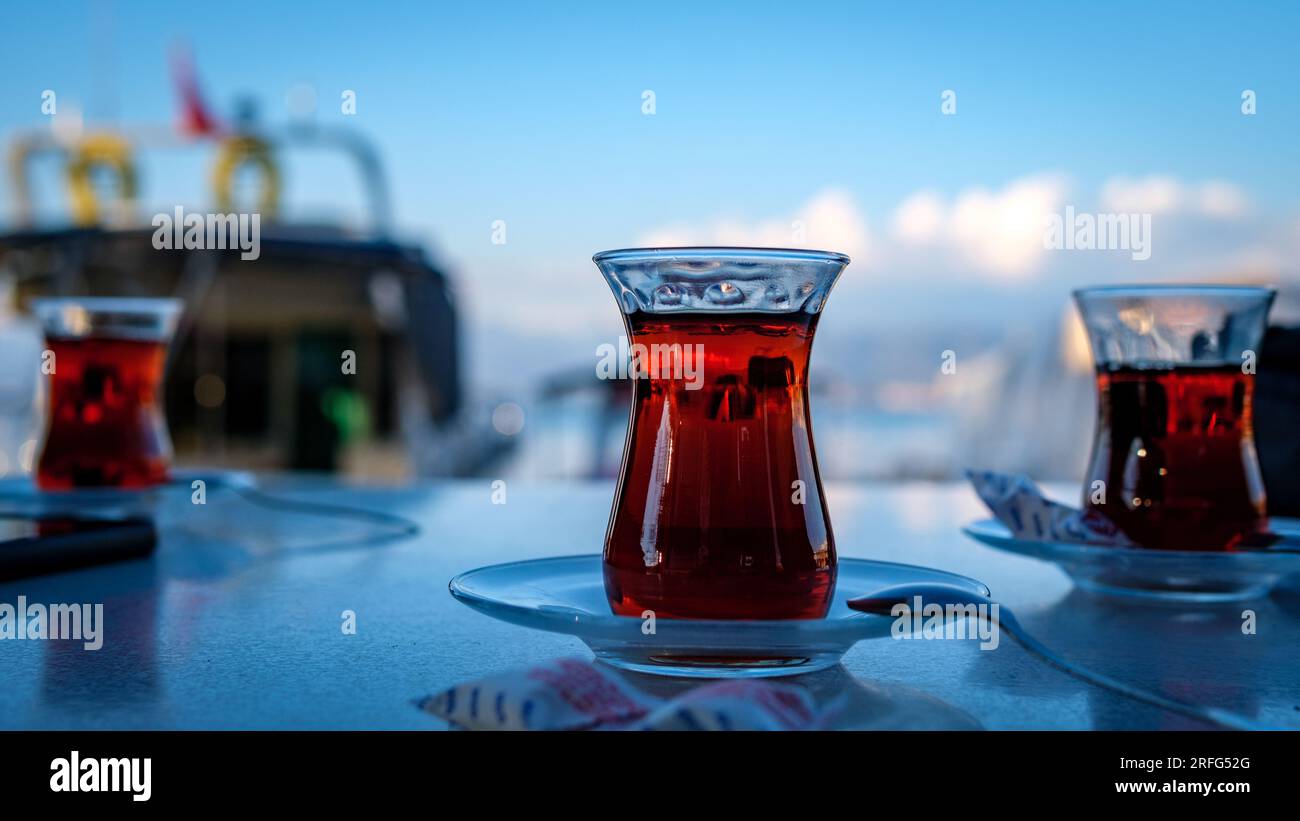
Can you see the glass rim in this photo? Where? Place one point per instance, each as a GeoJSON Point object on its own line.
{"type": "Point", "coordinates": [144, 306]}
{"type": "Point", "coordinates": [725, 252]}
{"type": "Point", "coordinates": [138, 318]}
{"type": "Point", "coordinates": [1173, 289]}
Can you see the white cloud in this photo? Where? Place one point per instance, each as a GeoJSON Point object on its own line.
{"type": "Point", "coordinates": [920, 218]}
{"type": "Point", "coordinates": [996, 232]}
{"type": "Point", "coordinates": [830, 221]}
{"type": "Point", "coordinates": [1150, 195]}
{"type": "Point", "coordinates": [1003, 231]}
{"type": "Point", "coordinates": [1164, 194]}
{"type": "Point", "coordinates": [1270, 253]}
{"type": "Point", "coordinates": [1221, 199]}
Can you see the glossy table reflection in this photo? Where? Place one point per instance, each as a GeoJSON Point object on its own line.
{"type": "Point", "coordinates": [236, 622]}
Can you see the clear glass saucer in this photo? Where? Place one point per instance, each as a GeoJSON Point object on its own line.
{"type": "Point", "coordinates": [21, 493]}
{"type": "Point", "coordinates": [1175, 575]}
{"type": "Point", "coordinates": [567, 595]}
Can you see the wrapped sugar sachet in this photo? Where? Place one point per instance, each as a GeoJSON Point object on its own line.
{"type": "Point", "coordinates": [572, 694]}
{"type": "Point", "coordinates": [563, 694]}
{"type": "Point", "coordinates": [1027, 512]}
{"type": "Point", "coordinates": [736, 705]}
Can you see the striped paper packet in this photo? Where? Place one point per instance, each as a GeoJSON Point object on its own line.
{"type": "Point", "coordinates": [1026, 511]}
{"type": "Point", "coordinates": [563, 694]}
{"type": "Point", "coordinates": [574, 694]}
{"type": "Point", "coordinates": [737, 705]}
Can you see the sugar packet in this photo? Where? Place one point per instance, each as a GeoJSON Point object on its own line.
{"type": "Point", "coordinates": [737, 705]}
{"type": "Point", "coordinates": [562, 694]}
{"type": "Point", "coordinates": [573, 694]}
{"type": "Point", "coordinates": [1026, 511]}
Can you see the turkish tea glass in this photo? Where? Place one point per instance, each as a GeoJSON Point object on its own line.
{"type": "Point", "coordinates": [719, 512]}
{"type": "Point", "coordinates": [104, 424]}
{"type": "Point", "coordinates": [1173, 463]}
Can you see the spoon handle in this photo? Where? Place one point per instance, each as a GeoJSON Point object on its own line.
{"type": "Point", "coordinates": [884, 602]}
{"type": "Point", "coordinates": [1212, 715]}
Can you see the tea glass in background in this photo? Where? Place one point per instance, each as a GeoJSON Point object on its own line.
{"type": "Point", "coordinates": [719, 512]}
{"type": "Point", "coordinates": [1175, 441]}
{"type": "Point", "coordinates": [104, 424]}
{"type": "Point", "coordinates": [20, 419]}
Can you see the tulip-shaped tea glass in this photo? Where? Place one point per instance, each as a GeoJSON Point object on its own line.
{"type": "Point", "coordinates": [719, 512]}
{"type": "Point", "coordinates": [1173, 463]}
{"type": "Point", "coordinates": [104, 425]}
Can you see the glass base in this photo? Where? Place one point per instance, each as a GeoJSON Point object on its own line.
{"type": "Point", "coordinates": [1151, 589]}
{"type": "Point", "coordinates": [689, 665]}
{"type": "Point", "coordinates": [20, 493]}
{"type": "Point", "coordinates": [567, 595]}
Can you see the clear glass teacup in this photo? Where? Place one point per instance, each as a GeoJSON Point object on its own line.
{"type": "Point", "coordinates": [719, 512]}
{"type": "Point", "coordinates": [104, 424]}
{"type": "Point", "coordinates": [1173, 460]}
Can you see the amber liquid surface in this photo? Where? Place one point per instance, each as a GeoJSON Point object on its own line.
{"type": "Point", "coordinates": [104, 428]}
{"type": "Point", "coordinates": [1175, 448]}
{"type": "Point", "coordinates": [719, 512]}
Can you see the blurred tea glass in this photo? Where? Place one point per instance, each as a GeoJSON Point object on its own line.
{"type": "Point", "coordinates": [719, 512]}
{"type": "Point", "coordinates": [1173, 461]}
{"type": "Point", "coordinates": [104, 425]}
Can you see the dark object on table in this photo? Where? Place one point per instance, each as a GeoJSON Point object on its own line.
{"type": "Point", "coordinates": [34, 547]}
{"type": "Point", "coordinates": [1277, 419]}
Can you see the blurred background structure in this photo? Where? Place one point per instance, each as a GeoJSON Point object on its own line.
{"type": "Point", "coordinates": [434, 181]}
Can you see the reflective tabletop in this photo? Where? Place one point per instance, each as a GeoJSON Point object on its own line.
{"type": "Point", "coordinates": [239, 620]}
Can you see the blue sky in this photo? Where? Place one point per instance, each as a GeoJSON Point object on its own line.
{"type": "Point", "coordinates": [764, 112]}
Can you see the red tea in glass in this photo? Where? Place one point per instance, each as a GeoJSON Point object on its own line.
{"type": "Point", "coordinates": [1177, 442]}
{"type": "Point", "coordinates": [104, 425]}
{"type": "Point", "coordinates": [1173, 463]}
{"type": "Point", "coordinates": [719, 512]}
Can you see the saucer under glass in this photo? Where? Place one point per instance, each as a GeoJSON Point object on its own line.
{"type": "Point", "coordinates": [567, 595]}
